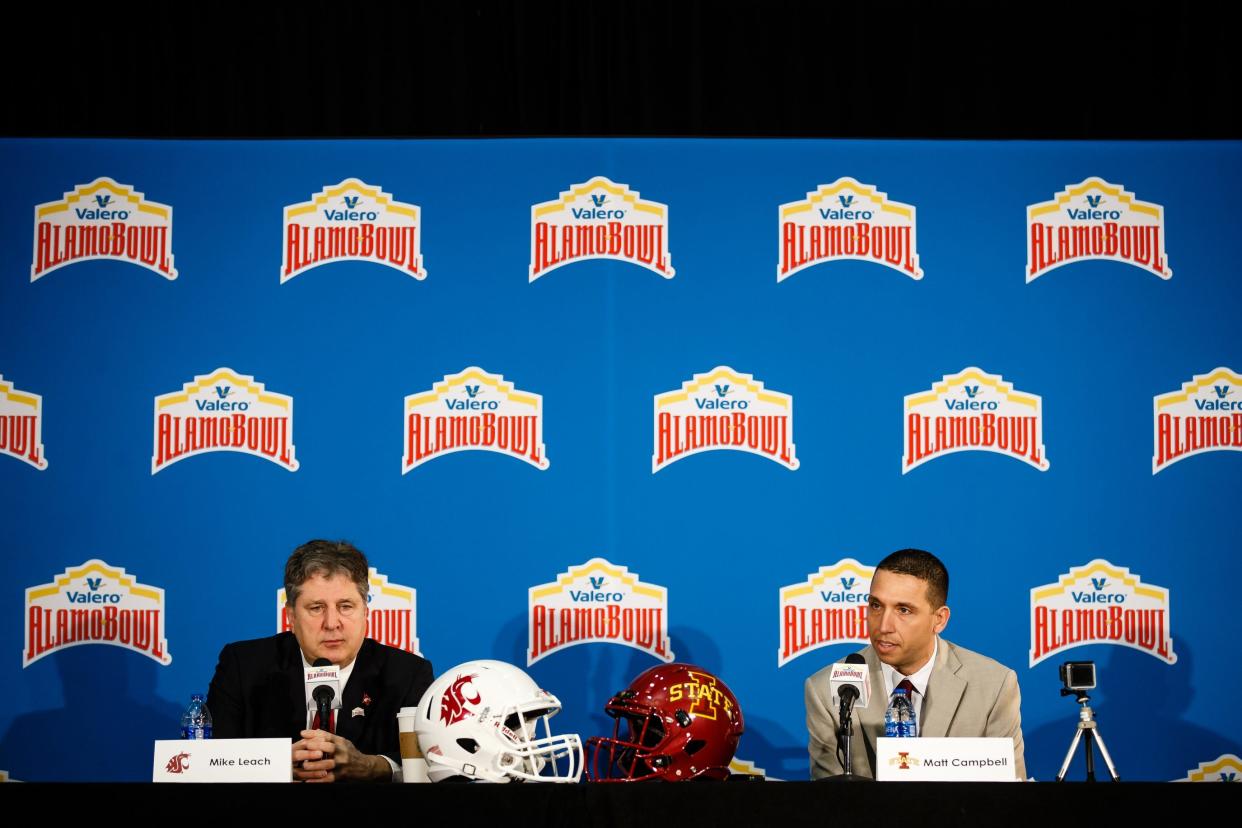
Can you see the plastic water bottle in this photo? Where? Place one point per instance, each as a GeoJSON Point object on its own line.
{"type": "Point", "coordinates": [196, 720]}
{"type": "Point", "coordinates": [899, 717]}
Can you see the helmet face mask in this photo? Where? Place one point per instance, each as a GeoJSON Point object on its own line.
{"type": "Point", "coordinates": [681, 723]}
{"type": "Point", "coordinates": [488, 720]}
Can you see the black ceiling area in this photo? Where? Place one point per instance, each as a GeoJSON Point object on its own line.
{"type": "Point", "coordinates": [689, 68]}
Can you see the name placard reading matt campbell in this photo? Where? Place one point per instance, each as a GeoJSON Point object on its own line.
{"type": "Point", "coordinates": [930, 759]}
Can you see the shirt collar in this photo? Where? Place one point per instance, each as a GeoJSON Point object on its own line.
{"type": "Point", "coordinates": [892, 678]}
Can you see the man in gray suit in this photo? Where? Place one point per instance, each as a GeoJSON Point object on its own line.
{"type": "Point", "coordinates": [956, 692]}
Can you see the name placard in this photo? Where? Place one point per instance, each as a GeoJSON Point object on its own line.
{"type": "Point", "coordinates": [223, 760]}
{"type": "Point", "coordinates": [966, 759]}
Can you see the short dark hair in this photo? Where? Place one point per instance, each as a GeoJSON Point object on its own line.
{"type": "Point", "coordinates": [922, 565]}
{"type": "Point", "coordinates": [326, 558]}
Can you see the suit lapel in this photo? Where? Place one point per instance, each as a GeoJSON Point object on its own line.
{"type": "Point", "coordinates": [871, 718]}
{"type": "Point", "coordinates": [360, 683]}
{"type": "Point", "coordinates": [944, 693]}
{"type": "Point", "coordinates": [294, 690]}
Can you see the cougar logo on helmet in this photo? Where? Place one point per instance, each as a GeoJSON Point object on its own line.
{"type": "Point", "coordinates": [453, 704]}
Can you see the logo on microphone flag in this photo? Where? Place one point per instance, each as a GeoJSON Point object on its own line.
{"type": "Point", "coordinates": [847, 220]}
{"type": "Point", "coordinates": [223, 411]}
{"type": "Point", "coordinates": [599, 219]}
{"type": "Point", "coordinates": [95, 603]}
{"type": "Point", "coordinates": [1095, 220]}
{"type": "Point", "coordinates": [1100, 603]}
{"type": "Point", "coordinates": [598, 602]}
{"type": "Point", "coordinates": [391, 614]}
{"type": "Point", "coordinates": [21, 425]}
{"type": "Point", "coordinates": [103, 220]}
{"type": "Point", "coordinates": [473, 411]}
{"type": "Point", "coordinates": [829, 607]}
{"type": "Point", "coordinates": [973, 410]}
{"type": "Point", "coordinates": [1224, 768]}
{"type": "Point", "coordinates": [356, 222]}
{"type": "Point", "coordinates": [1205, 415]}
{"type": "Point", "coordinates": [723, 410]}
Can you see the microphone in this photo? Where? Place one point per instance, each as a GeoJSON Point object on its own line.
{"type": "Point", "coordinates": [323, 684]}
{"type": "Point", "coordinates": [851, 683]}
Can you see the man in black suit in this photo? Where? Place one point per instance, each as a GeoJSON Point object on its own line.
{"type": "Point", "coordinates": [259, 686]}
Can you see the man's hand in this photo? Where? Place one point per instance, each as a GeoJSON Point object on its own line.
{"type": "Point", "coordinates": [320, 756]}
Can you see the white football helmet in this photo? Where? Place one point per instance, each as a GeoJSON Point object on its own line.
{"type": "Point", "coordinates": [481, 720]}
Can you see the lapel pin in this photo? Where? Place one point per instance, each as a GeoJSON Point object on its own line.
{"type": "Point", "coordinates": [358, 711]}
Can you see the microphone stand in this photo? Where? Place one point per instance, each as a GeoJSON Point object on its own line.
{"type": "Point", "coordinates": [845, 738]}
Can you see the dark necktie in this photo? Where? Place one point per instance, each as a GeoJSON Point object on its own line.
{"type": "Point", "coordinates": [909, 688]}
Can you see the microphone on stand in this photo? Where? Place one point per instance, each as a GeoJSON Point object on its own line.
{"type": "Point", "coordinates": [850, 682]}
{"type": "Point", "coordinates": [323, 684]}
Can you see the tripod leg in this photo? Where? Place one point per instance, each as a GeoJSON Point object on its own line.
{"type": "Point", "coordinates": [1069, 755]}
{"type": "Point", "coordinates": [1090, 755]}
{"type": "Point", "coordinates": [1108, 760]}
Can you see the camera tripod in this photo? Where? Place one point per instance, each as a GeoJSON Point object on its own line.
{"type": "Point", "coordinates": [1087, 725]}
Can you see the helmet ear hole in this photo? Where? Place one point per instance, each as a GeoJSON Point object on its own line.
{"type": "Point", "coordinates": [468, 745]}
{"type": "Point", "coordinates": [694, 746]}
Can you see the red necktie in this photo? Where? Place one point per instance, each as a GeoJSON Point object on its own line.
{"type": "Point", "coordinates": [331, 721]}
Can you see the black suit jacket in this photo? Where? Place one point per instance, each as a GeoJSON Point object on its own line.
{"type": "Point", "coordinates": [258, 691]}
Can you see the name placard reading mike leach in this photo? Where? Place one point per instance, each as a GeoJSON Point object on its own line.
{"type": "Point", "coordinates": [829, 607]}
{"type": "Point", "coordinates": [598, 603]}
{"type": "Point", "coordinates": [391, 613]}
{"type": "Point", "coordinates": [945, 759]}
{"type": "Point", "coordinates": [95, 603]}
{"type": "Point", "coordinates": [223, 760]}
{"type": "Point", "coordinates": [103, 220]}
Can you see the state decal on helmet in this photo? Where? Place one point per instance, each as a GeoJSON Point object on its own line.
{"type": "Point", "coordinates": [681, 723]}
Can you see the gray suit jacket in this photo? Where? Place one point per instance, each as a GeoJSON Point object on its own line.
{"type": "Point", "coordinates": [967, 695]}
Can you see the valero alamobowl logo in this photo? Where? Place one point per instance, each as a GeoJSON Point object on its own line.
{"type": "Point", "coordinates": [223, 411]}
{"type": "Point", "coordinates": [391, 615]}
{"type": "Point", "coordinates": [973, 410]}
{"type": "Point", "coordinates": [95, 603]}
{"type": "Point", "coordinates": [1205, 415]}
{"type": "Point", "coordinates": [720, 410]}
{"type": "Point", "coordinates": [473, 411]}
{"type": "Point", "coordinates": [599, 220]}
{"type": "Point", "coordinates": [598, 602]}
{"type": "Point", "coordinates": [21, 425]}
{"type": "Point", "coordinates": [103, 220]}
{"type": "Point", "coordinates": [1095, 220]}
{"type": "Point", "coordinates": [1100, 604]}
{"type": "Point", "coordinates": [352, 221]}
{"type": "Point", "coordinates": [829, 607]}
{"type": "Point", "coordinates": [847, 220]}
{"type": "Point", "coordinates": [1225, 768]}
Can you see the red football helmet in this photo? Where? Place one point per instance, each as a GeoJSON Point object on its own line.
{"type": "Point", "coordinates": [682, 723]}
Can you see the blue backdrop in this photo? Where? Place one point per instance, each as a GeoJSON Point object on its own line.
{"type": "Point", "coordinates": [722, 531]}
